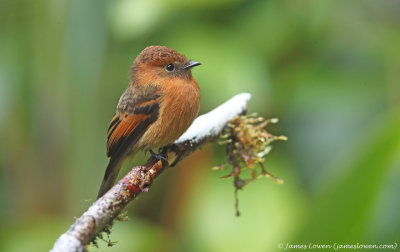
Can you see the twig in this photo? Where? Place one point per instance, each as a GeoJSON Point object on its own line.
{"type": "Point", "coordinates": [101, 213]}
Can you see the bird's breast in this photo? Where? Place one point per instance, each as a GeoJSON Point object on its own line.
{"type": "Point", "coordinates": [179, 105]}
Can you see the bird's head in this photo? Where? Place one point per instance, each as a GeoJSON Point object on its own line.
{"type": "Point", "coordinates": [161, 62]}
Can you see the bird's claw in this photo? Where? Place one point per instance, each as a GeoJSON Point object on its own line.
{"type": "Point", "coordinates": [159, 156]}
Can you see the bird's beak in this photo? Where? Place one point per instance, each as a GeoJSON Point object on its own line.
{"type": "Point", "coordinates": [191, 64]}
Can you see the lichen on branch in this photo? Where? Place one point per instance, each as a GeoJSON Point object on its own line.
{"type": "Point", "coordinates": [247, 143]}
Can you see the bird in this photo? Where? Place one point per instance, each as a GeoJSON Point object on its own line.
{"type": "Point", "coordinates": [159, 105]}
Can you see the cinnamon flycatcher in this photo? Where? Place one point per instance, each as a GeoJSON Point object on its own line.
{"type": "Point", "coordinates": [160, 103]}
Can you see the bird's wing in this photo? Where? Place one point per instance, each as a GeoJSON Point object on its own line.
{"type": "Point", "coordinates": [136, 112]}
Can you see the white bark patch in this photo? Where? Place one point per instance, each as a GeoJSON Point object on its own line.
{"type": "Point", "coordinates": [212, 123]}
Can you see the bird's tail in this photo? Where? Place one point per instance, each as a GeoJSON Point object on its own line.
{"type": "Point", "coordinates": [110, 176]}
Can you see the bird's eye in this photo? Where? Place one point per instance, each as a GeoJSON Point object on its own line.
{"type": "Point", "coordinates": [170, 67]}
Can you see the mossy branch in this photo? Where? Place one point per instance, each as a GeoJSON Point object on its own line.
{"type": "Point", "coordinates": [247, 143]}
{"type": "Point", "coordinates": [206, 128]}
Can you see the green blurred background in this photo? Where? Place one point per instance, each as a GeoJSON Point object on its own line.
{"type": "Point", "coordinates": [329, 70]}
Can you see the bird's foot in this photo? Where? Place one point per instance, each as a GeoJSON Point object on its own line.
{"type": "Point", "coordinates": [160, 156]}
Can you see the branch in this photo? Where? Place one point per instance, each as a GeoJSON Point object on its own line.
{"type": "Point", "coordinates": [101, 213]}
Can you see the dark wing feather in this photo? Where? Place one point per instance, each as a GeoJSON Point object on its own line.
{"type": "Point", "coordinates": [133, 117]}
{"type": "Point", "coordinates": [126, 129]}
